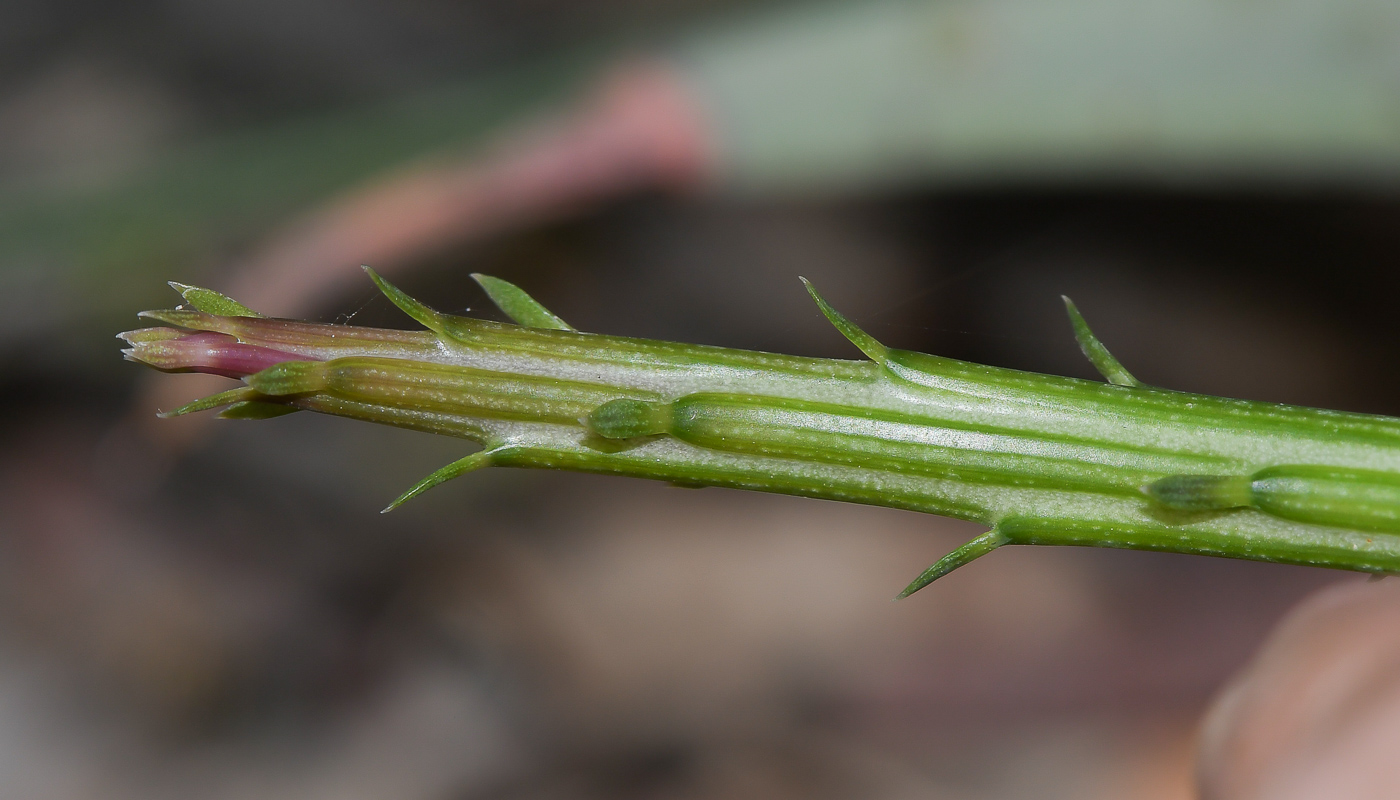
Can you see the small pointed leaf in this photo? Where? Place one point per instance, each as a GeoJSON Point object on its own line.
{"type": "Point", "coordinates": [519, 306]}
{"type": "Point", "coordinates": [1094, 350]}
{"type": "Point", "coordinates": [211, 302]}
{"type": "Point", "coordinates": [456, 469]}
{"type": "Point", "coordinates": [231, 396]}
{"type": "Point", "coordinates": [974, 549]}
{"type": "Point", "coordinates": [867, 343]}
{"type": "Point", "coordinates": [434, 321]}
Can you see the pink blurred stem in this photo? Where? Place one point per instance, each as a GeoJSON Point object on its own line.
{"type": "Point", "coordinates": [640, 129]}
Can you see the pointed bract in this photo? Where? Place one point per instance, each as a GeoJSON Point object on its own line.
{"type": "Point", "coordinates": [434, 321]}
{"type": "Point", "coordinates": [456, 469]}
{"type": "Point", "coordinates": [962, 556]}
{"type": "Point", "coordinates": [211, 302]}
{"type": "Point", "coordinates": [229, 397]}
{"type": "Point", "coordinates": [867, 343]}
{"type": "Point", "coordinates": [150, 335]}
{"type": "Point", "coordinates": [1094, 350]}
{"type": "Point", "coordinates": [518, 305]}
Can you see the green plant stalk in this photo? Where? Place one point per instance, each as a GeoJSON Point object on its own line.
{"type": "Point", "coordinates": [1038, 459]}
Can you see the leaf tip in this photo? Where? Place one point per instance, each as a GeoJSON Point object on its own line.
{"type": "Point", "coordinates": [456, 469]}
{"type": "Point", "coordinates": [420, 312]}
{"type": "Point", "coordinates": [212, 302]}
{"type": "Point", "coordinates": [230, 397]}
{"type": "Point", "coordinates": [517, 304]}
{"type": "Point", "coordinates": [867, 344]}
{"type": "Point", "coordinates": [962, 556]}
{"type": "Point", "coordinates": [1094, 350]}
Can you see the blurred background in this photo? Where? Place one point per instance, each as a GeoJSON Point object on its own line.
{"type": "Point", "coordinates": [193, 608]}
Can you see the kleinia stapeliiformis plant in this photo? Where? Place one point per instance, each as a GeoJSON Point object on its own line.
{"type": "Point", "coordinates": [1038, 459]}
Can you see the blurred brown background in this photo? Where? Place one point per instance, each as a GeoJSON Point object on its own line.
{"type": "Point", "coordinates": [217, 610]}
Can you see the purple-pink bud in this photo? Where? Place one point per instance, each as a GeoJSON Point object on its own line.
{"type": "Point", "coordinates": [214, 353]}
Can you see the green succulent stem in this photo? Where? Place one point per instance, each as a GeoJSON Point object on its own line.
{"type": "Point", "coordinates": [1038, 459]}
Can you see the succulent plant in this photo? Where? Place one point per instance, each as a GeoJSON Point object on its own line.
{"type": "Point", "coordinates": [1039, 459]}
